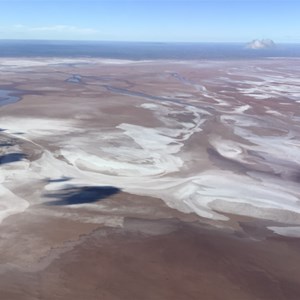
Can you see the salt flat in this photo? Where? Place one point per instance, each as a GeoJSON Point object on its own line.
{"type": "Point", "coordinates": [153, 159]}
{"type": "Point", "coordinates": [204, 142]}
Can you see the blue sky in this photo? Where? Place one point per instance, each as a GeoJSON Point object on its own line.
{"type": "Point", "coordinates": [152, 20]}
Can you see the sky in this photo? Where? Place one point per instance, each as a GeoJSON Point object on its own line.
{"type": "Point", "coordinates": [151, 20]}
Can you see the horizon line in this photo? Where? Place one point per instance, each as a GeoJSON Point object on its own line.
{"type": "Point", "coordinates": [136, 41]}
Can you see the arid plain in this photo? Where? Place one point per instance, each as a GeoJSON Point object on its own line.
{"type": "Point", "coordinates": [149, 179]}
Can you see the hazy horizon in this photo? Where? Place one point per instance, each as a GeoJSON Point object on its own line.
{"type": "Point", "coordinates": [135, 41]}
{"type": "Point", "coordinates": [145, 50]}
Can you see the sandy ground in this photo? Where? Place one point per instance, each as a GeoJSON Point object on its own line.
{"type": "Point", "coordinates": [149, 179]}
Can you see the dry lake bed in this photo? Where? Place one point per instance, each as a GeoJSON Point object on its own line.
{"type": "Point", "coordinates": [128, 180]}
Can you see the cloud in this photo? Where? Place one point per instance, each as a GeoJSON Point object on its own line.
{"type": "Point", "coordinates": [261, 44]}
{"type": "Point", "coordinates": [58, 29]}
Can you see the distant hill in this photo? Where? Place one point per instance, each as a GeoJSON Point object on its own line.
{"type": "Point", "coordinates": [261, 44]}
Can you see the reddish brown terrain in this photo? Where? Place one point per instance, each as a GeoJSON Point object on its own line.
{"type": "Point", "coordinates": [149, 179]}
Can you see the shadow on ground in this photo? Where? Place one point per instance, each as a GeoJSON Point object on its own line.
{"type": "Point", "coordinates": [81, 195]}
{"type": "Point", "coordinates": [11, 157]}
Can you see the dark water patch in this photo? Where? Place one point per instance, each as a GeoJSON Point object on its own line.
{"type": "Point", "coordinates": [6, 144]}
{"type": "Point", "coordinates": [63, 179]}
{"type": "Point", "coordinates": [11, 157]}
{"type": "Point", "coordinates": [8, 97]}
{"type": "Point", "coordinates": [82, 195]}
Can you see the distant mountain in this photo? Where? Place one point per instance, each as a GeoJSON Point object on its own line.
{"type": "Point", "coordinates": [261, 44]}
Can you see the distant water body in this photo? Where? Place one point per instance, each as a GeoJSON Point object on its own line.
{"type": "Point", "coordinates": [141, 50]}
